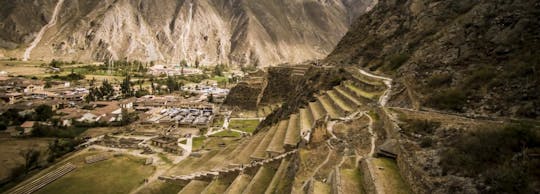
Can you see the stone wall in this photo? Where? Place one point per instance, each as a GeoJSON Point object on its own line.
{"type": "Point", "coordinates": [245, 96]}
{"type": "Point", "coordinates": [280, 83]}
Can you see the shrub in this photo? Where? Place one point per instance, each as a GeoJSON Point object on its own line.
{"type": "Point", "coordinates": [499, 155]}
{"type": "Point", "coordinates": [397, 61]}
{"type": "Point", "coordinates": [426, 142]}
{"type": "Point", "coordinates": [449, 99]}
{"type": "Point", "coordinates": [480, 77]}
{"type": "Point", "coordinates": [421, 126]}
{"type": "Point", "coordinates": [438, 80]}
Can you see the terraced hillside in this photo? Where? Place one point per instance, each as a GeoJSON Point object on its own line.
{"type": "Point", "coordinates": [280, 158]}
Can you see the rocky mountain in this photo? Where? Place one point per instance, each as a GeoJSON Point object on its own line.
{"type": "Point", "coordinates": [242, 32]}
{"type": "Point", "coordinates": [479, 57]}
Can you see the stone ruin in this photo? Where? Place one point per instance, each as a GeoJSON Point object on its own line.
{"type": "Point", "coordinates": [95, 158]}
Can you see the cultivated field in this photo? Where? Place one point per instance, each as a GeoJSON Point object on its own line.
{"type": "Point", "coordinates": [119, 174]}
{"type": "Point", "coordinates": [244, 125]}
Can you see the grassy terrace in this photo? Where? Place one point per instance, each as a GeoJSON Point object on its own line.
{"type": "Point", "coordinates": [260, 152]}
{"type": "Point", "coordinates": [351, 180]}
{"type": "Point", "coordinates": [217, 186]}
{"type": "Point", "coordinates": [160, 187]}
{"type": "Point", "coordinates": [243, 156]}
{"type": "Point", "coordinates": [321, 188]}
{"type": "Point", "coordinates": [239, 184]}
{"type": "Point", "coordinates": [276, 145]}
{"type": "Point", "coordinates": [317, 110]}
{"type": "Point", "coordinates": [116, 175]}
{"type": "Point", "coordinates": [244, 125]}
{"type": "Point", "coordinates": [306, 119]}
{"type": "Point", "coordinates": [292, 135]}
{"type": "Point", "coordinates": [194, 186]}
{"type": "Point", "coordinates": [340, 101]}
{"type": "Point", "coordinates": [261, 180]}
{"type": "Point", "coordinates": [329, 107]}
{"type": "Point", "coordinates": [361, 92]}
{"type": "Point", "coordinates": [341, 90]}
{"type": "Point", "coordinates": [279, 177]}
{"type": "Point", "coordinates": [390, 176]}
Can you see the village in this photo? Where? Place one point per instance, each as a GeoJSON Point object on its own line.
{"type": "Point", "coordinates": [164, 120]}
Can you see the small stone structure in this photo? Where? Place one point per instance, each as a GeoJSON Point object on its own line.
{"type": "Point", "coordinates": [95, 158]}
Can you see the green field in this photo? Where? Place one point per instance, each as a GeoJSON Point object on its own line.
{"type": "Point", "coordinates": [244, 125]}
{"type": "Point", "coordinates": [160, 187]}
{"type": "Point", "coordinates": [116, 175]}
{"type": "Point", "coordinates": [227, 134]}
{"type": "Point", "coordinates": [198, 142]}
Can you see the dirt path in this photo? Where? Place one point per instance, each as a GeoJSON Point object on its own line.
{"type": "Point", "coordinates": [387, 81]}
{"type": "Point", "coordinates": [373, 135]}
{"type": "Point", "coordinates": [41, 32]}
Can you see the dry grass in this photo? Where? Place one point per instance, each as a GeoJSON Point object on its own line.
{"type": "Point", "coordinates": [120, 174]}
{"type": "Point", "coordinates": [10, 149]}
{"type": "Point", "coordinates": [387, 174]}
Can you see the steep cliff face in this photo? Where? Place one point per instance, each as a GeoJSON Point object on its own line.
{"type": "Point", "coordinates": [210, 31]}
{"type": "Point", "coordinates": [477, 56]}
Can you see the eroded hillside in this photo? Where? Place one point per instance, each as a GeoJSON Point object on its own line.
{"type": "Point", "coordinates": [242, 32]}
{"type": "Point", "coordinates": [478, 57]}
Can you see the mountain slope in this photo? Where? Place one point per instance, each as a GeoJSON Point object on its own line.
{"type": "Point", "coordinates": [478, 57]}
{"type": "Point", "coordinates": [210, 31]}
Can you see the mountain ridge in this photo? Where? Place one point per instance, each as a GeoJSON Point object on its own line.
{"type": "Point", "coordinates": [240, 32]}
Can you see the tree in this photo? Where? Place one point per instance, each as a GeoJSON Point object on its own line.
{"type": "Point", "coordinates": [48, 84]}
{"type": "Point", "coordinates": [211, 98]}
{"type": "Point", "coordinates": [218, 69]}
{"type": "Point", "coordinates": [152, 85]}
{"type": "Point", "coordinates": [172, 85]}
{"type": "Point", "coordinates": [44, 112]}
{"type": "Point", "coordinates": [92, 82]}
{"type": "Point", "coordinates": [126, 89]}
{"type": "Point", "coordinates": [183, 63]}
{"type": "Point", "coordinates": [31, 157]}
{"type": "Point", "coordinates": [197, 62]}
{"type": "Point", "coordinates": [106, 90]}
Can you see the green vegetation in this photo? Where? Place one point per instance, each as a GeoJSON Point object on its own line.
{"type": "Point", "coordinates": [392, 176]}
{"type": "Point", "coordinates": [448, 99]}
{"type": "Point", "coordinates": [116, 175]}
{"type": "Point", "coordinates": [161, 187]}
{"type": "Point", "coordinates": [198, 142]}
{"type": "Point", "coordinates": [69, 77]}
{"type": "Point", "coordinates": [397, 60]}
{"type": "Point", "coordinates": [352, 181]}
{"type": "Point", "coordinates": [500, 155]}
{"type": "Point", "coordinates": [244, 125]}
{"type": "Point", "coordinates": [424, 127]}
{"type": "Point", "coordinates": [227, 134]}
{"type": "Point", "coordinates": [163, 157]}
{"type": "Point", "coordinates": [218, 121]}
{"type": "Point", "coordinates": [438, 80]}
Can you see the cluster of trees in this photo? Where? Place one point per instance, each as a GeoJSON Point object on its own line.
{"type": "Point", "coordinates": [11, 117]}
{"type": "Point", "coordinates": [58, 63]}
{"type": "Point", "coordinates": [128, 66]}
{"type": "Point", "coordinates": [219, 69]}
{"type": "Point", "coordinates": [69, 77]}
{"type": "Point", "coordinates": [104, 92]}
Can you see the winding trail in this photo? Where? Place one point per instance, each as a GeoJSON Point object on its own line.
{"type": "Point", "coordinates": [373, 135]}
{"type": "Point", "coordinates": [41, 32]}
{"type": "Point", "coordinates": [387, 81]}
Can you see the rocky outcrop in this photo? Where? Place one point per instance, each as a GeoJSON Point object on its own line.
{"type": "Point", "coordinates": [238, 32]}
{"type": "Point", "coordinates": [479, 57]}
